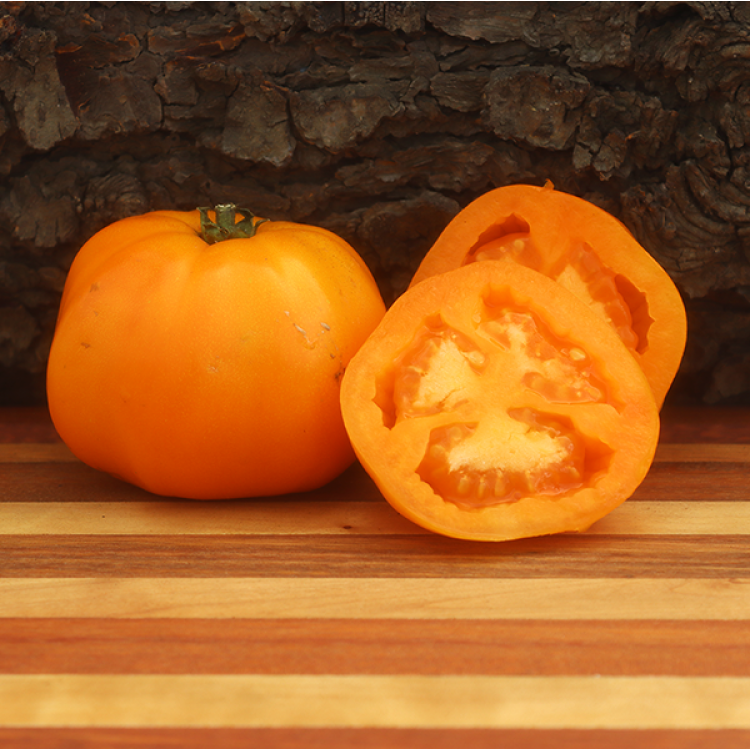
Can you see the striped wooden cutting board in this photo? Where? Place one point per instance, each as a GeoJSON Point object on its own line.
{"type": "Point", "coordinates": [327, 620]}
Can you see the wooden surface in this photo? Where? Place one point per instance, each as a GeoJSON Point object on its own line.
{"type": "Point", "coordinates": [327, 620]}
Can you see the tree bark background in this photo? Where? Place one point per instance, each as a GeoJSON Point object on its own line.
{"type": "Point", "coordinates": [379, 121]}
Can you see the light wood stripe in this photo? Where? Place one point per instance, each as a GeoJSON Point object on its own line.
{"type": "Point", "coordinates": [374, 701]}
{"type": "Point", "coordinates": [299, 517]}
{"type": "Point", "coordinates": [679, 452]}
{"type": "Point", "coordinates": [676, 518]}
{"type": "Point", "coordinates": [374, 598]}
{"type": "Point", "coordinates": [258, 517]}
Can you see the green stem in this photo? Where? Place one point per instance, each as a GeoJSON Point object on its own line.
{"type": "Point", "coordinates": [226, 226]}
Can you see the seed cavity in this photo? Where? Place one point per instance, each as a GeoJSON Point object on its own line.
{"type": "Point", "coordinates": [503, 458]}
{"type": "Point", "coordinates": [436, 372]}
{"type": "Point", "coordinates": [597, 285]}
{"type": "Point", "coordinates": [546, 364]}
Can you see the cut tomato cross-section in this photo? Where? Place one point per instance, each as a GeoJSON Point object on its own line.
{"type": "Point", "coordinates": [492, 403]}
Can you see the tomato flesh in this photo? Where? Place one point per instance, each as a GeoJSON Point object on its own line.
{"type": "Point", "coordinates": [580, 271]}
{"type": "Point", "coordinates": [505, 453]}
{"type": "Point", "coordinates": [500, 406]}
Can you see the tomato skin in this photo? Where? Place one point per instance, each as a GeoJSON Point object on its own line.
{"type": "Point", "coordinates": [439, 395]}
{"type": "Point", "coordinates": [209, 371]}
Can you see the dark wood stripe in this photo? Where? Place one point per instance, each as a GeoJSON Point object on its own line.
{"type": "Point", "coordinates": [704, 481]}
{"type": "Point", "coordinates": [423, 647]}
{"type": "Point", "coordinates": [361, 556]}
{"type": "Point", "coordinates": [373, 738]}
{"type": "Point", "coordinates": [698, 468]}
{"type": "Point", "coordinates": [704, 424]}
{"type": "Point", "coordinates": [26, 425]}
{"type": "Point", "coordinates": [75, 482]}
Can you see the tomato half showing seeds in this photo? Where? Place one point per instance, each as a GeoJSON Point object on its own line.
{"type": "Point", "coordinates": [210, 370]}
{"type": "Point", "coordinates": [585, 249]}
{"type": "Point", "coordinates": [491, 403]}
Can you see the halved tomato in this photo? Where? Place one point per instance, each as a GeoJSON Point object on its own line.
{"type": "Point", "coordinates": [491, 403]}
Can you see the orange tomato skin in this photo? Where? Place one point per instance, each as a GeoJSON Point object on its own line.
{"type": "Point", "coordinates": [209, 371]}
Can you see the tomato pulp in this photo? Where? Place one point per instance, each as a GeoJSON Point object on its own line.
{"type": "Point", "coordinates": [491, 403]}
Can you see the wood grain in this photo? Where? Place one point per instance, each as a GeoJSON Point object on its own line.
{"type": "Point", "coordinates": [645, 647]}
{"type": "Point", "coordinates": [327, 620]}
{"type": "Point", "coordinates": [406, 701]}
{"type": "Point", "coordinates": [371, 737]}
{"type": "Point", "coordinates": [301, 518]}
{"type": "Point", "coordinates": [353, 598]}
{"type": "Point", "coordinates": [410, 556]}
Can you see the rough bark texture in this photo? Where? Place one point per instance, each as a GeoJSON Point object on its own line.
{"type": "Point", "coordinates": [378, 120]}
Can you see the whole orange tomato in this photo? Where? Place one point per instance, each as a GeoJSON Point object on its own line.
{"type": "Point", "coordinates": [199, 355]}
